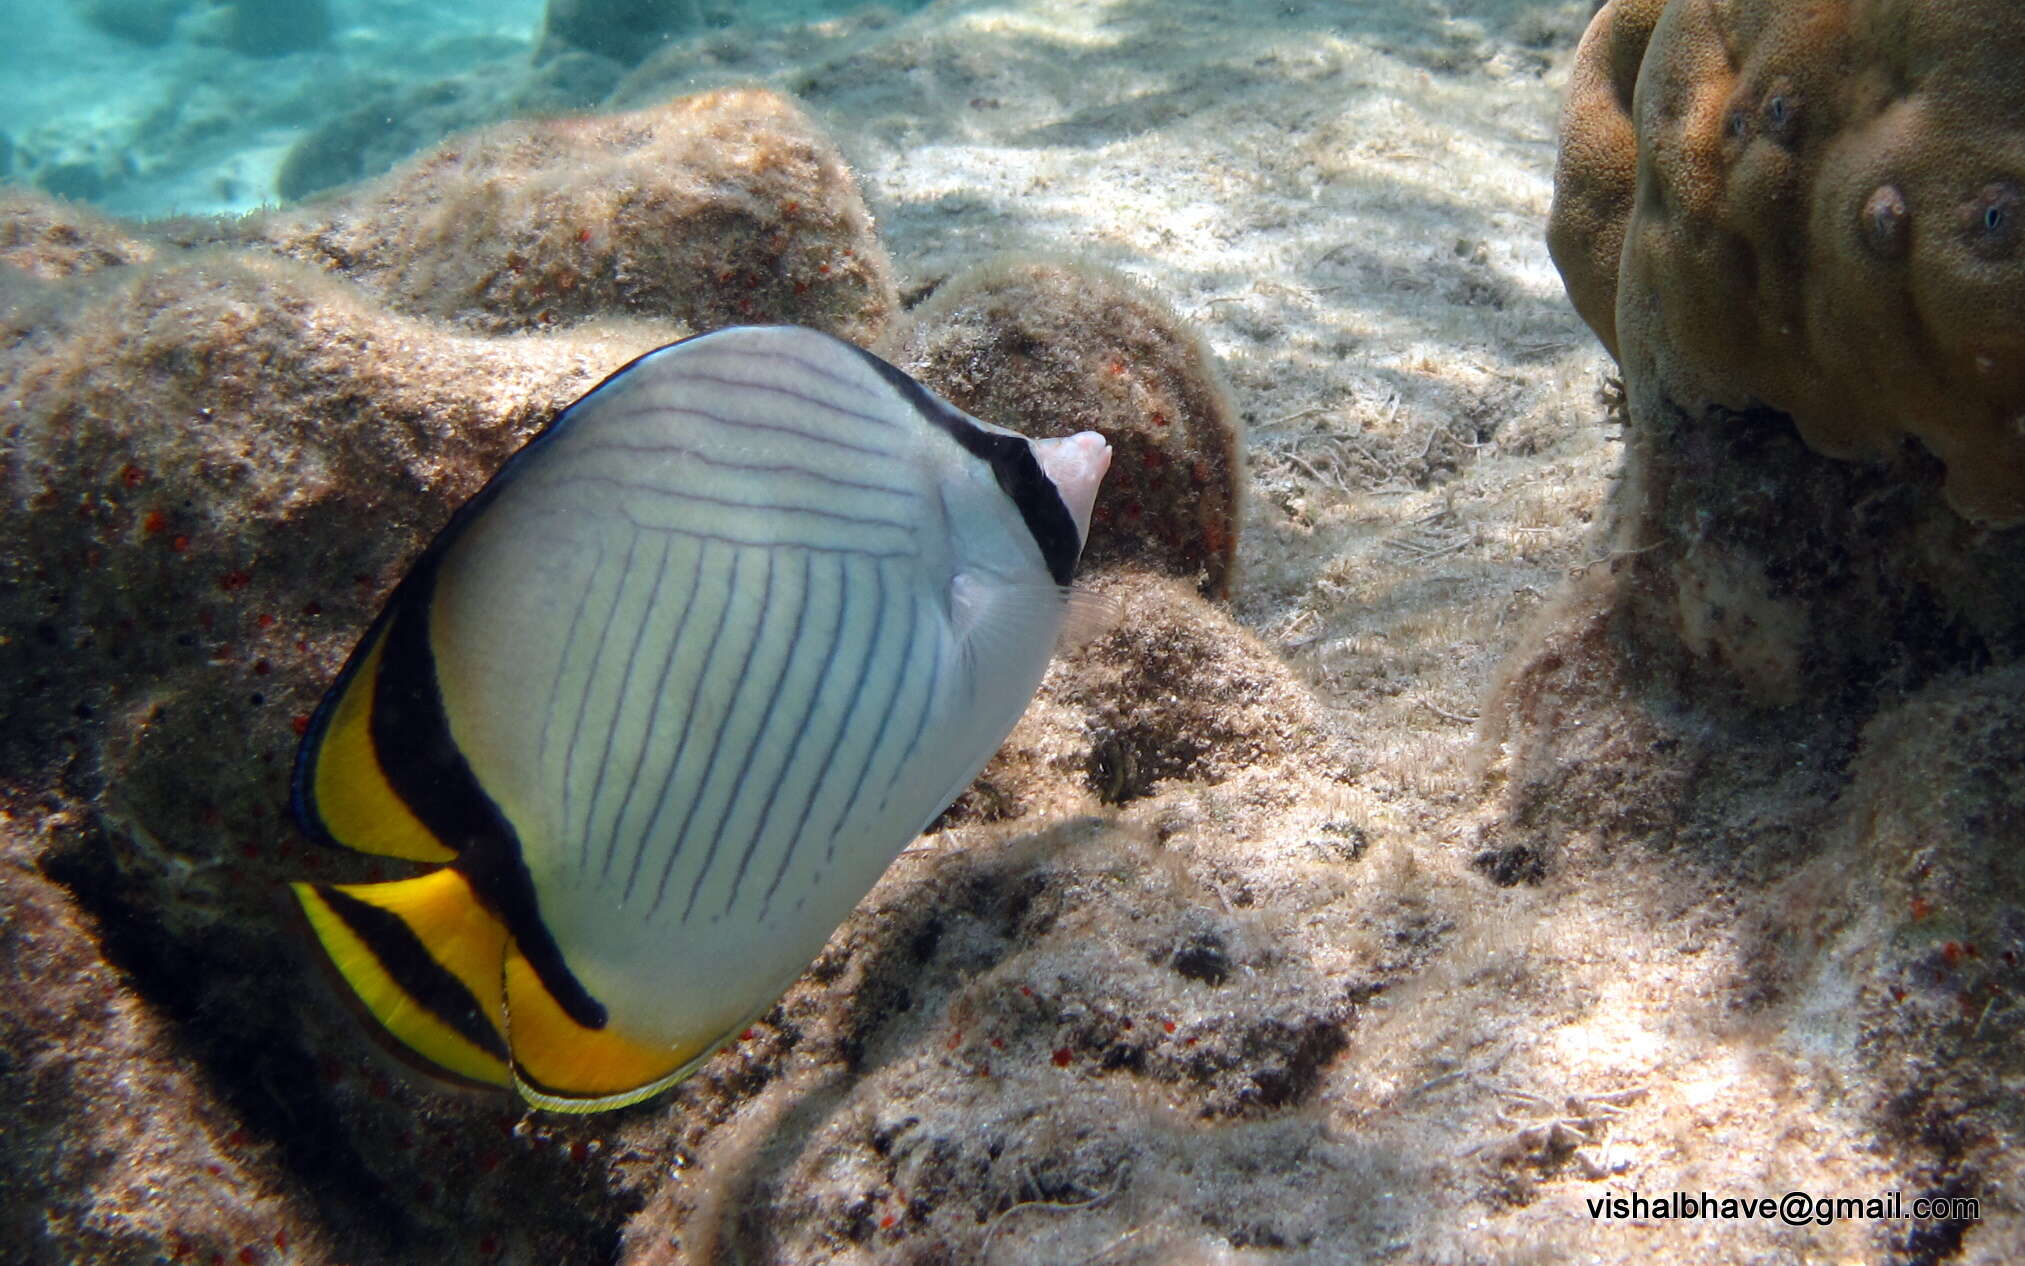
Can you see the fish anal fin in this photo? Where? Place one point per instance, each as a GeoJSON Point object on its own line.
{"type": "Point", "coordinates": [424, 958]}
{"type": "Point", "coordinates": [351, 798]}
{"type": "Point", "coordinates": [563, 1066]}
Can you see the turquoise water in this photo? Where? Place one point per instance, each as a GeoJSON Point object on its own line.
{"type": "Point", "coordinates": [162, 107]}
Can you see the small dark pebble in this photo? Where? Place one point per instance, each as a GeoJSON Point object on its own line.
{"type": "Point", "coordinates": [1511, 866]}
{"type": "Point", "coordinates": [1203, 959]}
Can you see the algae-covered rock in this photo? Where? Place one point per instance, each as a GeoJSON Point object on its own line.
{"type": "Point", "coordinates": [388, 125]}
{"type": "Point", "coordinates": [192, 580]}
{"type": "Point", "coordinates": [145, 22]}
{"type": "Point", "coordinates": [626, 31]}
{"type": "Point", "coordinates": [228, 440]}
{"type": "Point", "coordinates": [41, 237]}
{"type": "Point", "coordinates": [269, 28]}
{"type": "Point", "coordinates": [708, 210]}
{"type": "Point", "coordinates": [1050, 347]}
{"type": "Point", "coordinates": [116, 1147]}
{"type": "Point", "coordinates": [256, 28]}
{"type": "Point", "coordinates": [224, 457]}
{"type": "Point", "coordinates": [1063, 1004]}
{"type": "Point", "coordinates": [1168, 691]}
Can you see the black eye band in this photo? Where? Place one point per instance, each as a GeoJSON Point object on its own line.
{"type": "Point", "coordinates": [1012, 461]}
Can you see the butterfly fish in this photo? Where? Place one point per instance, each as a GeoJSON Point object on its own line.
{"type": "Point", "coordinates": [667, 696]}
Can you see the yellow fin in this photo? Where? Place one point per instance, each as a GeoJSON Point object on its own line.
{"type": "Point", "coordinates": [353, 800]}
{"type": "Point", "coordinates": [564, 1067]}
{"type": "Point", "coordinates": [425, 958]}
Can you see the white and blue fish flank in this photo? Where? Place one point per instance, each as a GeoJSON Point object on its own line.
{"type": "Point", "coordinates": [670, 694]}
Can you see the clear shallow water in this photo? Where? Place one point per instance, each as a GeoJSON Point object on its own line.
{"type": "Point", "coordinates": [161, 107]}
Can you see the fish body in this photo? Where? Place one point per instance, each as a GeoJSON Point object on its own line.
{"type": "Point", "coordinates": [667, 697]}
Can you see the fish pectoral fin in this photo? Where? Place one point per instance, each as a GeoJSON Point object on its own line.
{"type": "Point", "coordinates": [425, 958]}
{"type": "Point", "coordinates": [1088, 616]}
{"type": "Point", "coordinates": [995, 619]}
{"type": "Point", "coordinates": [565, 1066]}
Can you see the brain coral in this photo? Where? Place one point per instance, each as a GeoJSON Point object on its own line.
{"type": "Point", "coordinates": [1819, 209]}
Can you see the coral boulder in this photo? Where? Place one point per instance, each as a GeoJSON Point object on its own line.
{"type": "Point", "coordinates": [1789, 683]}
{"type": "Point", "coordinates": [224, 442]}
{"type": "Point", "coordinates": [709, 210]}
{"type": "Point", "coordinates": [1821, 210]}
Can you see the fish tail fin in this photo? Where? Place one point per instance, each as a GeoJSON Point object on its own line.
{"type": "Point", "coordinates": [426, 959]}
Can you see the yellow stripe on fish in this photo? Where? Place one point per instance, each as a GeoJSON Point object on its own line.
{"type": "Point", "coordinates": [669, 694]}
{"type": "Point", "coordinates": [363, 810]}
{"type": "Point", "coordinates": [423, 957]}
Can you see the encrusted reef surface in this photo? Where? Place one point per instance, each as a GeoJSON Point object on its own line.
{"type": "Point", "coordinates": [1233, 954]}
{"type": "Point", "coordinates": [230, 440]}
{"type": "Point", "coordinates": [1793, 671]}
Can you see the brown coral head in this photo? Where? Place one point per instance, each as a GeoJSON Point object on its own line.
{"type": "Point", "coordinates": [1819, 213]}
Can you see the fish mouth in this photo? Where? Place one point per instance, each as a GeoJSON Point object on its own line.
{"type": "Point", "coordinates": [1075, 464]}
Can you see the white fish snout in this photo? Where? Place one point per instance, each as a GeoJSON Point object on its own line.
{"type": "Point", "coordinates": [1076, 464]}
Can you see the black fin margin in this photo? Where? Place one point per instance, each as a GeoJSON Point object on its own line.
{"type": "Point", "coordinates": [412, 593]}
{"type": "Point", "coordinates": [421, 759]}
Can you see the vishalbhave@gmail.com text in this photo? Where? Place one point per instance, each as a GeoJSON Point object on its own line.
{"type": "Point", "coordinates": [1794, 1208]}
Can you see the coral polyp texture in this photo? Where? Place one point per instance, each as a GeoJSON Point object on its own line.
{"type": "Point", "coordinates": [1821, 211]}
{"type": "Point", "coordinates": [710, 210]}
{"type": "Point", "coordinates": [1050, 347]}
